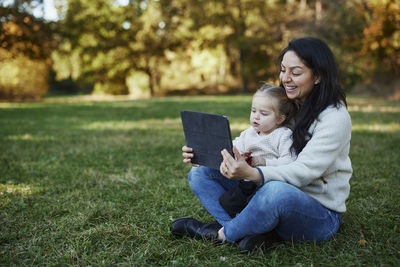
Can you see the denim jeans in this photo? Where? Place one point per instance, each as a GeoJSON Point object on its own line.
{"type": "Point", "coordinates": [278, 206]}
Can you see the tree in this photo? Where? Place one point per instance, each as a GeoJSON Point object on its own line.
{"type": "Point", "coordinates": [114, 40]}
{"type": "Point", "coordinates": [381, 34]}
{"type": "Point", "coordinates": [158, 32]}
{"type": "Point", "coordinates": [25, 47]}
{"type": "Point", "coordinates": [24, 34]}
{"type": "Point", "coordinates": [210, 40]}
{"type": "Point", "coordinates": [365, 36]}
{"type": "Point", "coordinates": [249, 38]}
{"type": "Point", "coordinates": [94, 31]}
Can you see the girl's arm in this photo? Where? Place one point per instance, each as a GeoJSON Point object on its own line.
{"type": "Point", "coordinates": [239, 142]}
{"type": "Point", "coordinates": [282, 143]}
{"type": "Point", "coordinates": [285, 155]}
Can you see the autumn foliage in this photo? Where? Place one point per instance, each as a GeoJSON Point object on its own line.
{"type": "Point", "coordinates": [153, 47]}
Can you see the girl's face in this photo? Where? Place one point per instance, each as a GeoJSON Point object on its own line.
{"type": "Point", "coordinates": [296, 77]}
{"type": "Point", "coordinates": [263, 116]}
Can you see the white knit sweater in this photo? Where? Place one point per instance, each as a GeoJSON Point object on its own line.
{"type": "Point", "coordinates": [273, 147]}
{"type": "Point", "coordinates": [323, 169]}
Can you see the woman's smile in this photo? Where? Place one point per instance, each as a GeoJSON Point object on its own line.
{"type": "Point", "coordinates": [290, 88]}
{"type": "Point", "coordinates": [296, 77]}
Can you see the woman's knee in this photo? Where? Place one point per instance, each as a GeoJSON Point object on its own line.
{"type": "Point", "coordinates": [193, 176]}
{"type": "Point", "coordinates": [197, 175]}
{"type": "Point", "coordinates": [275, 193]}
{"type": "Point", "coordinates": [200, 177]}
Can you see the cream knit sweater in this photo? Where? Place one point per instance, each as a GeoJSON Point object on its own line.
{"type": "Point", "coordinates": [273, 147]}
{"type": "Point", "coordinates": [323, 169]}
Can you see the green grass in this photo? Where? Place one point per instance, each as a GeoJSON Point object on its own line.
{"type": "Point", "coordinates": [98, 183]}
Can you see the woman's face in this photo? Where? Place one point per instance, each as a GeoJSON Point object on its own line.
{"type": "Point", "coordinates": [297, 79]}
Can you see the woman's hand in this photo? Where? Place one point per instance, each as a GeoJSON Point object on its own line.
{"type": "Point", "coordinates": [188, 155]}
{"type": "Point", "coordinates": [237, 169]}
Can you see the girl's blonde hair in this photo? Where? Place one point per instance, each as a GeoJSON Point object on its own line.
{"type": "Point", "coordinates": [285, 106]}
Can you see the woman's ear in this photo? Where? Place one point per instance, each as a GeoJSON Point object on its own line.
{"type": "Point", "coordinates": [317, 80]}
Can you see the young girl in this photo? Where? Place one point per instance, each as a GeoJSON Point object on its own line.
{"type": "Point", "coordinates": [266, 143]}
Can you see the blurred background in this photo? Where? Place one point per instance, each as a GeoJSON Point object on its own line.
{"type": "Point", "coordinates": [145, 48]}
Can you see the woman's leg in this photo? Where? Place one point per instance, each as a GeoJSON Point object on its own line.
{"type": "Point", "coordinates": [283, 207]}
{"type": "Point", "coordinates": [208, 185]}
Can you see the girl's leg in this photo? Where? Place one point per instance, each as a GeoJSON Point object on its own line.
{"type": "Point", "coordinates": [292, 213]}
{"type": "Point", "coordinates": [208, 185]}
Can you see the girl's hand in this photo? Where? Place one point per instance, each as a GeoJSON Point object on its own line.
{"type": "Point", "coordinates": [246, 155]}
{"type": "Point", "coordinates": [258, 161]}
{"type": "Point", "coordinates": [237, 169]}
{"type": "Point", "coordinates": [188, 155]}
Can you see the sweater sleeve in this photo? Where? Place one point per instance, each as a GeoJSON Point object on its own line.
{"type": "Point", "coordinates": [239, 142]}
{"type": "Point", "coordinates": [331, 133]}
{"type": "Point", "coordinates": [284, 144]}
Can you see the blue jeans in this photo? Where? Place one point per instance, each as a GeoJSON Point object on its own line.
{"type": "Point", "coordinates": [277, 205]}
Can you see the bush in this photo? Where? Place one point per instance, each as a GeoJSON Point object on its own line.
{"type": "Point", "coordinates": [138, 84]}
{"type": "Point", "coordinates": [111, 88]}
{"type": "Point", "coordinates": [380, 86]}
{"type": "Point", "coordinates": [23, 79]}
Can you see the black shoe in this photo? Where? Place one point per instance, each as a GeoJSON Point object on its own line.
{"type": "Point", "coordinates": [265, 241]}
{"type": "Point", "coordinates": [195, 229]}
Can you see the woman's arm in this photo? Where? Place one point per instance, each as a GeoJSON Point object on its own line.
{"type": "Point", "coordinates": [331, 138]}
{"type": "Point", "coordinates": [329, 143]}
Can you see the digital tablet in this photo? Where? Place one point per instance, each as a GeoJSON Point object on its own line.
{"type": "Point", "coordinates": [208, 135]}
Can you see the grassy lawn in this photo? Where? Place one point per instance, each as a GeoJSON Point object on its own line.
{"type": "Point", "coordinates": [98, 183]}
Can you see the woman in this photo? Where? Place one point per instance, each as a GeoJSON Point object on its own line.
{"type": "Point", "coordinates": [300, 201]}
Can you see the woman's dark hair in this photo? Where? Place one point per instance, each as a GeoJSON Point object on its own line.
{"type": "Point", "coordinates": [285, 106]}
{"type": "Point", "coordinates": [317, 56]}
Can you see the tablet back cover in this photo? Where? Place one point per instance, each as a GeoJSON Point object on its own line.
{"type": "Point", "coordinates": [208, 135]}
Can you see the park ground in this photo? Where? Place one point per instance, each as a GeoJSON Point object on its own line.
{"type": "Point", "coordinates": [98, 182]}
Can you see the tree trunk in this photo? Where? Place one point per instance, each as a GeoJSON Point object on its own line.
{"type": "Point", "coordinates": [242, 30]}
{"type": "Point", "coordinates": [318, 11]}
{"type": "Point", "coordinates": [242, 70]}
{"type": "Point", "coordinates": [151, 82]}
